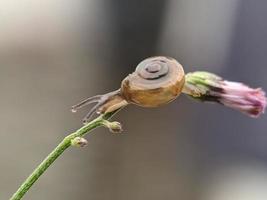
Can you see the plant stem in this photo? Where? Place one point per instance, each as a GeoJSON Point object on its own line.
{"type": "Point", "coordinates": [62, 146]}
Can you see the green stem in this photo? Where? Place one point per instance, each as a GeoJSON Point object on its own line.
{"type": "Point", "coordinates": [66, 143]}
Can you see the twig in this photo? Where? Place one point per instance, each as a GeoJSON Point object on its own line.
{"type": "Point", "coordinates": [66, 143]}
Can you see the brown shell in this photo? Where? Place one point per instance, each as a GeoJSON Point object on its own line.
{"type": "Point", "coordinates": [156, 81]}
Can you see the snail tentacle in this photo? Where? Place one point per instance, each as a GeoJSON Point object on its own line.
{"type": "Point", "coordinates": [86, 102]}
{"type": "Point", "coordinates": [91, 112]}
{"type": "Point", "coordinates": [104, 103]}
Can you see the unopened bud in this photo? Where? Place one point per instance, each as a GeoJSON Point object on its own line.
{"type": "Point", "coordinates": [79, 142]}
{"type": "Point", "coordinates": [114, 127]}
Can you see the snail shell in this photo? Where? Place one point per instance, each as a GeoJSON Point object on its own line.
{"type": "Point", "coordinates": [156, 81]}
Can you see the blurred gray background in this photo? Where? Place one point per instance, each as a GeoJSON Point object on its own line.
{"type": "Point", "coordinates": [54, 53]}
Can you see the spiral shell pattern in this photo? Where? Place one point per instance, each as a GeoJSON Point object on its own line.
{"type": "Point", "coordinates": [156, 81]}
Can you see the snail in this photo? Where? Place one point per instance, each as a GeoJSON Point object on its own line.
{"type": "Point", "coordinates": [155, 82]}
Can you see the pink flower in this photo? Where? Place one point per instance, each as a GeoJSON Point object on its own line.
{"type": "Point", "coordinates": [243, 98]}
{"type": "Point", "coordinates": [209, 87]}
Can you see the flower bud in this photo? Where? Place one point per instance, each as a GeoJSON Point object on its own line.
{"type": "Point", "coordinates": [114, 127]}
{"type": "Point", "coordinates": [206, 86]}
{"type": "Point", "coordinates": [79, 142]}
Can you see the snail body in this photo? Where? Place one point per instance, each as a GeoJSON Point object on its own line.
{"type": "Point", "coordinates": [155, 82]}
